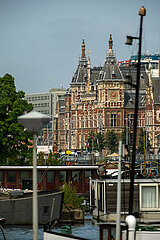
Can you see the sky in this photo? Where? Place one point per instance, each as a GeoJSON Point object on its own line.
{"type": "Point", "coordinates": [40, 40]}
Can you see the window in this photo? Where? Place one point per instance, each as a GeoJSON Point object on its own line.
{"type": "Point", "coordinates": [149, 197]}
{"type": "Point", "coordinates": [11, 176]}
{"type": "Point", "coordinates": [50, 177]}
{"type": "Point", "coordinates": [101, 202]}
{"type": "Point", "coordinates": [130, 120]}
{"type": "Point", "coordinates": [39, 176]}
{"type": "Point", "coordinates": [24, 175]}
{"type": "Point", "coordinates": [75, 176]}
{"type": "Point", "coordinates": [113, 120]}
{"type": "Point", "coordinates": [113, 76]}
{"type": "Point", "coordinates": [62, 176]}
{"type": "Point", "coordinates": [87, 174]}
{"type": "Point", "coordinates": [46, 210]}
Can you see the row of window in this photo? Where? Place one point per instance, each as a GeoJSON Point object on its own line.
{"type": "Point", "coordinates": [41, 105]}
{"type": "Point", "coordinates": [25, 175]}
{"type": "Point", "coordinates": [29, 99]}
{"type": "Point", "coordinates": [45, 111]}
{"type": "Point", "coordinates": [112, 120]}
{"type": "Point", "coordinates": [152, 65]}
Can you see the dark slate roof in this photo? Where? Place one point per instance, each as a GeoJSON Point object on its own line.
{"type": "Point", "coordinates": [129, 93]}
{"type": "Point", "coordinates": [95, 74]}
{"type": "Point", "coordinates": [132, 71]}
{"type": "Point", "coordinates": [129, 98]}
{"type": "Point", "coordinates": [110, 70]}
{"type": "Point", "coordinates": [80, 75]}
{"type": "Point", "coordinates": [156, 89]}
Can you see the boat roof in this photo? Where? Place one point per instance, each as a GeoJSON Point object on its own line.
{"type": "Point", "coordinates": [75, 167]}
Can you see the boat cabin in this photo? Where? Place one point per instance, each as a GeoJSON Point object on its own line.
{"type": "Point", "coordinates": [146, 203]}
{"type": "Point", "coordinates": [49, 177]}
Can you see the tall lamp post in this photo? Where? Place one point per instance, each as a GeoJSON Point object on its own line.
{"type": "Point", "coordinates": [142, 13]}
{"type": "Point", "coordinates": [34, 122]}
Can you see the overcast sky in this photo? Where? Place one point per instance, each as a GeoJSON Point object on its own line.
{"type": "Point", "coordinates": [40, 40]}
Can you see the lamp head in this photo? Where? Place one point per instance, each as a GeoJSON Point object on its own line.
{"type": "Point", "coordinates": [129, 40]}
{"type": "Point", "coordinates": [128, 78]}
{"type": "Point", "coordinates": [34, 121]}
{"type": "Point", "coordinates": [142, 11]}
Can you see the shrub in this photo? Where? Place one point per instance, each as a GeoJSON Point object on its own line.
{"type": "Point", "coordinates": [71, 200]}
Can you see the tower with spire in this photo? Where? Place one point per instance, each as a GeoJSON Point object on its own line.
{"type": "Point", "coordinates": [83, 56]}
{"type": "Point", "coordinates": [80, 75]}
{"type": "Point", "coordinates": [110, 57]}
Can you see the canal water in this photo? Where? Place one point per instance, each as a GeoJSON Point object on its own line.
{"type": "Point", "coordinates": [87, 230]}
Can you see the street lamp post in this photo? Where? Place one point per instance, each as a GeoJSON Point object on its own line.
{"type": "Point", "coordinates": [142, 13]}
{"type": "Point", "coordinates": [34, 122]}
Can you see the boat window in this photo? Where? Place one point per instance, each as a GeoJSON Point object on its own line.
{"type": "Point", "coordinates": [62, 176]}
{"type": "Point", "coordinates": [39, 176]}
{"type": "Point", "coordinates": [149, 197]}
{"type": "Point", "coordinates": [75, 176]}
{"type": "Point", "coordinates": [45, 209]}
{"type": "Point", "coordinates": [11, 176]}
{"type": "Point", "coordinates": [87, 174]}
{"type": "Point", "coordinates": [24, 175]}
{"type": "Point", "coordinates": [50, 176]}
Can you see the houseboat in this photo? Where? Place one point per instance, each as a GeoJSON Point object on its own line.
{"type": "Point", "coordinates": [146, 207]}
{"type": "Point", "coordinates": [146, 203]}
{"type": "Point", "coordinates": [50, 178]}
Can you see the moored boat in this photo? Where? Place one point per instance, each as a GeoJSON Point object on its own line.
{"type": "Point", "coordinates": [16, 207]}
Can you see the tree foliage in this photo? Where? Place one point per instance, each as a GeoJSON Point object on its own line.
{"type": "Point", "coordinates": [13, 139]}
{"type": "Point", "coordinates": [99, 142]}
{"type": "Point", "coordinates": [112, 141]}
{"type": "Point", "coordinates": [71, 200]}
{"type": "Point", "coordinates": [123, 135]}
{"type": "Point", "coordinates": [96, 141]}
{"type": "Point", "coordinates": [91, 141]}
{"type": "Point", "coordinates": [54, 159]}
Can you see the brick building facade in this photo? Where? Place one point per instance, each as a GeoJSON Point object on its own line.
{"type": "Point", "coordinates": [99, 100]}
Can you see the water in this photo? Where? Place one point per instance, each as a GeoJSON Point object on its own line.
{"type": "Point", "coordinates": [20, 232]}
{"type": "Point", "coordinates": [86, 230]}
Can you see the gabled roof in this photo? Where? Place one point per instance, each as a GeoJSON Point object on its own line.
{"type": "Point", "coordinates": [110, 71]}
{"type": "Point", "coordinates": [132, 72]}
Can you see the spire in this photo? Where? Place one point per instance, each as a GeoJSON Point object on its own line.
{"type": "Point", "coordinates": [110, 45]}
{"type": "Point", "coordinates": [83, 50]}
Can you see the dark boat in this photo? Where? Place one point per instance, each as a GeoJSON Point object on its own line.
{"type": "Point", "coordinates": [16, 208]}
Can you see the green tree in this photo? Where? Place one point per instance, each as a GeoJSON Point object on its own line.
{"type": "Point", "coordinates": [123, 135]}
{"type": "Point", "coordinates": [54, 159]}
{"type": "Point", "coordinates": [71, 200]}
{"type": "Point", "coordinates": [99, 142]}
{"type": "Point", "coordinates": [91, 141]}
{"type": "Point", "coordinates": [13, 139]}
{"type": "Point", "coordinates": [142, 141]}
{"type": "Point", "coordinates": [112, 141]}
